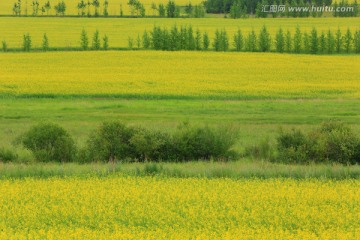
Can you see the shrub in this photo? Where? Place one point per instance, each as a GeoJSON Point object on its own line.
{"type": "Point", "coordinates": [7, 155]}
{"type": "Point", "coordinates": [195, 143]}
{"type": "Point", "coordinates": [49, 142]}
{"type": "Point", "coordinates": [331, 142]}
{"type": "Point", "coordinates": [336, 142]}
{"type": "Point", "coordinates": [292, 146]}
{"type": "Point", "coordinates": [4, 46]}
{"type": "Point", "coordinates": [151, 145]}
{"type": "Point", "coordinates": [110, 142]}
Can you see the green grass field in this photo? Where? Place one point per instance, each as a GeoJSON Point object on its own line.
{"type": "Point", "coordinates": [65, 32]}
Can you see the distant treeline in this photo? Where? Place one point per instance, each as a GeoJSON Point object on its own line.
{"type": "Point", "coordinates": [282, 8]}
{"type": "Point", "coordinates": [233, 8]}
{"type": "Point", "coordinates": [185, 38]}
{"type": "Point", "coordinates": [100, 8]}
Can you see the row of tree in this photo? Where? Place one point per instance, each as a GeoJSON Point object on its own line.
{"type": "Point", "coordinates": [97, 42]}
{"type": "Point", "coordinates": [185, 38]}
{"type": "Point", "coordinates": [60, 8]}
{"type": "Point", "coordinates": [91, 8]}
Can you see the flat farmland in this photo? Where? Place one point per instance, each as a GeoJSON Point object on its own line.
{"type": "Point", "coordinates": [179, 75]}
{"type": "Point", "coordinates": [65, 32]}
{"type": "Point", "coordinates": [170, 208]}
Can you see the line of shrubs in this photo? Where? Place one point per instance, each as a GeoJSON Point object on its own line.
{"type": "Point", "coordinates": [115, 141]}
{"type": "Point", "coordinates": [333, 142]}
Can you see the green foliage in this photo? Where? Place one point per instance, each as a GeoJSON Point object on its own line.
{"type": "Point", "coordinates": [331, 142]}
{"type": "Point", "coordinates": [161, 10]}
{"type": "Point", "coordinates": [45, 43]}
{"type": "Point", "coordinates": [60, 8]}
{"type": "Point", "coordinates": [297, 40]}
{"type": "Point", "coordinates": [206, 41]}
{"type": "Point", "coordinates": [4, 46]}
{"type": "Point", "coordinates": [348, 38]}
{"type": "Point", "coordinates": [357, 41]}
{"type": "Point", "coordinates": [6, 155]}
{"type": "Point", "coordinates": [250, 42]}
{"type": "Point", "coordinates": [105, 42]}
{"type": "Point", "coordinates": [338, 41]}
{"type": "Point", "coordinates": [280, 41]}
{"type": "Point", "coordinates": [115, 141]}
{"type": "Point", "coordinates": [194, 143]}
{"type": "Point", "coordinates": [110, 142]}
{"type": "Point", "coordinates": [172, 10]}
{"type": "Point", "coordinates": [288, 42]}
{"type": "Point", "coordinates": [307, 43]}
{"type": "Point", "coordinates": [264, 40]}
{"type": "Point", "coordinates": [238, 41]}
{"type": "Point", "coordinates": [146, 40]}
{"type": "Point", "coordinates": [49, 142]}
{"type": "Point", "coordinates": [314, 42]}
{"type": "Point", "coordinates": [150, 145]}
{"type": "Point", "coordinates": [27, 42]}
{"type": "Point", "coordinates": [96, 41]}
{"type": "Point", "coordinates": [292, 147]}
{"type": "Point", "coordinates": [84, 40]}
{"type": "Point", "coordinates": [322, 42]}
{"type": "Point", "coordinates": [198, 40]}
{"type": "Point", "coordinates": [131, 43]}
{"type": "Point", "coordinates": [221, 41]}
{"type": "Point", "coordinates": [330, 42]}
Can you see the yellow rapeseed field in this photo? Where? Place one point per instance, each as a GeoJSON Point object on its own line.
{"type": "Point", "coordinates": [169, 208]}
{"type": "Point", "coordinates": [146, 74]}
{"type": "Point", "coordinates": [65, 32]}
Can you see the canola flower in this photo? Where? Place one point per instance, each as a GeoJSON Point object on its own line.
{"type": "Point", "coordinates": [148, 74]}
{"type": "Point", "coordinates": [170, 208]}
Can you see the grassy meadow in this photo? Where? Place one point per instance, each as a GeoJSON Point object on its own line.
{"type": "Point", "coordinates": [65, 32]}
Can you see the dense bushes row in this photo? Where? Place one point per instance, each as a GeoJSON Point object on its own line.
{"type": "Point", "coordinates": [185, 38]}
{"type": "Point", "coordinates": [331, 142]}
{"type": "Point", "coordinates": [115, 141]}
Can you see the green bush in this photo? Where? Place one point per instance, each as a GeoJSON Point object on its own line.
{"type": "Point", "coordinates": [7, 155]}
{"type": "Point", "coordinates": [151, 145]}
{"type": "Point", "coordinates": [111, 142]}
{"type": "Point", "coordinates": [331, 142]}
{"type": "Point", "coordinates": [195, 143]}
{"type": "Point", "coordinates": [49, 142]}
{"type": "Point", "coordinates": [336, 142]}
{"type": "Point", "coordinates": [115, 141]}
{"type": "Point", "coordinates": [292, 146]}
